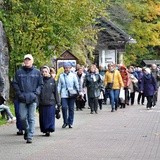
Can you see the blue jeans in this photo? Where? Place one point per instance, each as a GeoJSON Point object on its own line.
{"type": "Point", "coordinates": [68, 110]}
{"type": "Point", "coordinates": [27, 116]}
{"type": "Point", "coordinates": [114, 97]}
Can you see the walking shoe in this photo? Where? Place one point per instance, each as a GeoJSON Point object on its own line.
{"type": "Point", "coordinates": [47, 134]}
{"type": "Point", "coordinates": [29, 141]}
{"type": "Point", "coordinates": [64, 125]}
{"type": "Point", "coordinates": [70, 126]}
{"type": "Point", "coordinates": [112, 110]}
{"type": "Point", "coordinates": [20, 132]}
{"type": "Point", "coordinates": [91, 112]}
{"type": "Point", "coordinates": [9, 120]}
{"type": "Point", "coordinates": [13, 119]}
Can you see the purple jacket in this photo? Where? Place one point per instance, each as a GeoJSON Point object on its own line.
{"type": "Point", "coordinates": [148, 85]}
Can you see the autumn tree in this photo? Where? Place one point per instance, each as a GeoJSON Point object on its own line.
{"type": "Point", "coordinates": [140, 19]}
{"type": "Point", "coordinates": [46, 28]}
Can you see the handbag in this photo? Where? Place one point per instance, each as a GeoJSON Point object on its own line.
{"type": "Point", "coordinates": [109, 86]}
{"type": "Point", "coordinates": [72, 93]}
{"type": "Point", "coordinates": [101, 95]}
{"type": "Point", "coordinates": [122, 94]}
{"type": "Point", "coordinates": [57, 113]}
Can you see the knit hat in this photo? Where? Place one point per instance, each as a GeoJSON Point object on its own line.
{"type": "Point", "coordinates": [67, 64]}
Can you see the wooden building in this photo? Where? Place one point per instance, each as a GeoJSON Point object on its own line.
{"type": "Point", "coordinates": [150, 62]}
{"type": "Point", "coordinates": [111, 43]}
{"type": "Point", "coordinates": [66, 56]}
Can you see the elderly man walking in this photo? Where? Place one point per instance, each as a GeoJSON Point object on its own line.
{"type": "Point", "coordinates": [27, 84]}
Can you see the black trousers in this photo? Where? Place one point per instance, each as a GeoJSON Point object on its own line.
{"type": "Point", "coordinates": [132, 97]}
{"type": "Point", "coordinates": [126, 92]}
{"type": "Point", "coordinates": [93, 103]}
{"type": "Point", "coordinates": [140, 98]}
{"type": "Point", "coordinates": [100, 103]}
{"type": "Point", "coordinates": [149, 101]}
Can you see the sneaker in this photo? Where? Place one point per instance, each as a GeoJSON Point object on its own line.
{"type": "Point", "coordinates": [64, 125]}
{"type": "Point", "coordinates": [13, 119]}
{"type": "Point", "coordinates": [112, 110]}
{"type": "Point", "coordinates": [20, 132]}
{"type": "Point", "coordinates": [70, 126]}
{"type": "Point", "coordinates": [9, 120]}
{"type": "Point", "coordinates": [29, 141]}
{"type": "Point", "coordinates": [47, 134]}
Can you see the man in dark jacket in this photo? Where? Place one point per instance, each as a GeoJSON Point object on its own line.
{"type": "Point", "coordinates": [27, 84]}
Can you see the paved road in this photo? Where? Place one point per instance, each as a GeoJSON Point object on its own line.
{"type": "Point", "coordinates": [128, 134]}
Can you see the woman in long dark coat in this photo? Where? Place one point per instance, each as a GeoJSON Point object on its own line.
{"type": "Point", "coordinates": [93, 82]}
{"type": "Point", "coordinates": [148, 87]}
{"type": "Point", "coordinates": [47, 101]}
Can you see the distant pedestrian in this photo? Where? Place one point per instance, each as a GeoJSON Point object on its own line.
{"type": "Point", "coordinates": [67, 82]}
{"type": "Point", "coordinates": [81, 99]}
{"type": "Point", "coordinates": [148, 87]}
{"type": "Point", "coordinates": [126, 81]}
{"type": "Point", "coordinates": [113, 82]}
{"type": "Point", "coordinates": [133, 83]}
{"type": "Point", "coordinates": [48, 100]}
{"type": "Point", "coordinates": [93, 82]}
{"type": "Point", "coordinates": [155, 71]}
{"type": "Point", "coordinates": [27, 84]}
{"type": "Point", "coordinates": [140, 72]}
{"type": "Point", "coordinates": [53, 72]}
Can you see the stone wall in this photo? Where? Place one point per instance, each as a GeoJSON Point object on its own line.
{"type": "Point", "coordinates": [4, 60]}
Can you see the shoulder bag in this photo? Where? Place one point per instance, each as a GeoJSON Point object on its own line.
{"type": "Point", "coordinates": [109, 86]}
{"type": "Point", "coordinates": [72, 93]}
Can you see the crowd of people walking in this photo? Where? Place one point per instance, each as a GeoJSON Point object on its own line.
{"type": "Point", "coordinates": [72, 90]}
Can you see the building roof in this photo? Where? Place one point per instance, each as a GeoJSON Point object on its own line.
{"type": "Point", "coordinates": [67, 55]}
{"type": "Point", "coordinates": [150, 62]}
{"type": "Point", "coordinates": [111, 35]}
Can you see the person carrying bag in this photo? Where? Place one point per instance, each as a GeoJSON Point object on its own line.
{"type": "Point", "coordinates": [113, 82]}
{"type": "Point", "coordinates": [67, 84]}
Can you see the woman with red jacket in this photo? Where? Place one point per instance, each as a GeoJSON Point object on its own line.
{"type": "Point", "coordinates": [126, 81]}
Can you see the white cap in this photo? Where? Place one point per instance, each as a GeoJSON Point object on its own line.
{"type": "Point", "coordinates": [148, 70]}
{"type": "Point", "coordinates": [29, 56]}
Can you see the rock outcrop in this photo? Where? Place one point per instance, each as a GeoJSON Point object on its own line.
{"type": "Point", "coordinates": [4, 60]}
